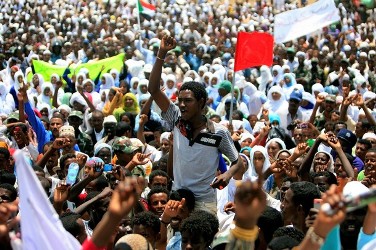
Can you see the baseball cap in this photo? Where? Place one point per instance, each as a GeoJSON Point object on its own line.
{"type": "Point", "coordinates": [347, 136]}
{"type": "Point", "coordinates": [124, 145]}
{"type": "Point", "coordinates": [224, 85]}
{"type": "Point", "coordinates": [296, 95]}
{"type": "Point", "coordinates": [76, 114]}
{"type": "Point", "coordinates": [13, 116]}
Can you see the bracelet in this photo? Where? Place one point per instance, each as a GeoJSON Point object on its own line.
{"type": "Point", "coordinates": [160, 58]}
{"type": "Point", "coordinates": [245, 234]}
{"type": "Point", "coordinates": [314, 238]}
{"type": "Point", "coordinates": [163, 222]}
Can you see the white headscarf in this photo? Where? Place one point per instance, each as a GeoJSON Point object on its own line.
{"type": "Point", "coordinates": [133, 80]}
{"type": "Point", "coordinates": [273, 105]}
{"type": "Point", "coordinates": [16, 82]}
{"type": "Point", "coordinates": [278, 78]}
{"type": "Point", "coordinates": [317, 87]}
{"type": "Point", "coordinates": [277, 140]}
{"type": "Point", "coordinates": [83, 79]}
{"type": "Point", "coordinates": [169, 92]}
{"type": "Point", "coordinates": [331, 161]}
{"type": "Point", "coordinates": [109, 81]}
{"type": "Point", "coordinates": [251, 170]}
{"type": "Point", "coordinates": [42, 98]}
{"type": "Point", "coordinates": [116, 72]}
{"type": "Point", "coordinates": [264, 79]}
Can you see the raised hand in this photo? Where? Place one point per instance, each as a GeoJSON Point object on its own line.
{"type": "Point", "coordinates": [324, 222]}
{"type": "Point", "coordinates": [118, 172]}
{"type": "Point", "coordinates": [334, 142]}
{"type": "Point", "coordinates": [250, 202]}
{"type": "Point", "coordinates": [140, 159]}
{"type": "Point", "coordinates": [143, 119]}
{"type": "Point", "coordinates": [320, 99]}
{"type": "Point", "coordinates": [172, 209]}
{"type": "Point", "coordinates": [125, 196]}
{"type": "Point", "coordinates": [97, 170]}
{"type": "Point", "coordinates": [358, 100]}
{"type": "Point", "coordinates": [61, 193]}
{"type": "Point", "coordinates": [301, 149]}
{"type": "Point", "coordinates": [81, 159]}
{"type": "Point", "coordinates": [59, 143]}
{"type": "Point", "coordinates": [167, 43]}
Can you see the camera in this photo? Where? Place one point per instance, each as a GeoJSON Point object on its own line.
{"type": "Point", "coordinates": [291, 126]}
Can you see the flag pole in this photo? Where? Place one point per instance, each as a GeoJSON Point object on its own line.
{"type": "Point", "coordinates": [232, 97]}
{"type": "Point", "coordinates": [139, 21]}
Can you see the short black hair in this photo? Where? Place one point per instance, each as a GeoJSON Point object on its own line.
{"type": "Point", "coordinates": [202, 223]}
{"type": "Point", "coordinates": [329, 175]}
{"type": "Point", "coordinates": [158, 172]}
{"type": "Point", "coordinates": [365, 142]}
{"type": "Point", "coordinates": [340, 122]}
{"type": "Point", "coordinates": [5, 152]}
{"type": "Point", "coordinates": [283, 242]}
{"type": "Point", "coordinates": [365, 124]}
{"type": "Point", "coordinates": [6, 177]}
{"type": "Point", "coordinates": [187, 194]}
{"type": "Point", "coordinates": [69, 221]}
{"type": "Point", "coordinates": [198, 91]}
{"type": "Point", "coordinates": [269, 221]}
{"type": "Point", "coordinates": [121, 128]}
{"type": "Point", "coordinates": [131, 117]}
{"type": "Point", "coordinates": [239, 113]}
{"type": "Point", "coordinates": [304, 194]}
{"type": "Point", "coordinates": [12, 189]}
{"type": "Point", "coordinates": [289, 231]}
{"type": "Point", "coordinates": [157, 190]}
{"type": "Point", "coordinates": [147, 219]}
{"type": "Point", "coordinates": [64, 158]}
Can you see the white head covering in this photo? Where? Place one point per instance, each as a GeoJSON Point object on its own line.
{"type": "Point", "coordinates": [116, 72]}
{"type": "Point", "coordinates": [165, 136]}
{"type": "Point", "coordinates": [83, 75]}
{"type": "Point", "coordinates": [331, 162]}
{"type": "Point", "coordinates": [277, 140]}
{"type": "Point", "coordinates": [273, 105]}
{"type": "Point", "coordinates": [16, 82]}
{"type": "Point", "coordinates": [278, 78]}
{"type": "Point", "coordinates": [251, 170]}
{"type": "Point", "coordinates": [265, 77]}
{"type": "Point", "coordinates": [317, 87]}
{"type": "Point", "coordinates": [133, 80]}
{"type": "Point", "coordinates": [109, 81]}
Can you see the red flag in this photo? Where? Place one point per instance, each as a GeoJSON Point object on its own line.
{"type": "Point", "coordinates": [253, 49]}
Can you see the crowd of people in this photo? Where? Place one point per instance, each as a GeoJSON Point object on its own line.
{"type": "Point", "coordinates": [176, 150]}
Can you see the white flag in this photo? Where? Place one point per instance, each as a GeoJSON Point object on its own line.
{"type": "Point", "coordinates": [40, 224]}
{"type": "Point", "coordinates": [299, 22]}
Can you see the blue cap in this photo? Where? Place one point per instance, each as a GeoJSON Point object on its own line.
{"type": "Point", "coordinates": [296, 95]}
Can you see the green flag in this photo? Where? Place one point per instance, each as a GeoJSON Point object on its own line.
{"type": "Point", "coordinates": [47, 69]}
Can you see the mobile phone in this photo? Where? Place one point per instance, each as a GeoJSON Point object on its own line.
{"type": "Point", "coordinates": [107, 167]}
{"type": "Point", "coordinates": [259, 126]}
{"type": "Point", "coordinates": [72, 173]}
{"type": "Point", "coordinates": [317, 203]}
